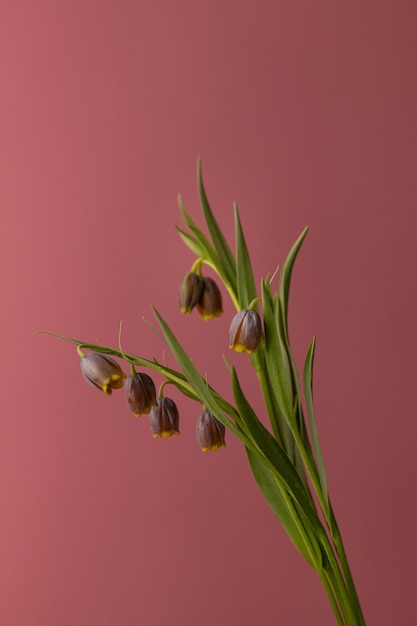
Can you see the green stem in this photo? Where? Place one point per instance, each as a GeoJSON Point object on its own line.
{"type": "Point", "coordinates": [347, 604]}
{"type": "Point", "coordinates": [340, 549]}
{"type": "Point", "coordinates": [264, 381]}
{"type": "Point", "coordinates": [326, 581]}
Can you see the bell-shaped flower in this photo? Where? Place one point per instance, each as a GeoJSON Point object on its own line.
{"type": "Point", "coordinates": [210, 432]}
{"type": "Point", "coordinates": [210, 303]}
{"type": "Point", "coordinates": [245, 331]}
{"type": "Point", "coordinates": [164, 418]}
{"type": "Point", "coordinates": [102, 372]}
{"type": "Point", "coordinates": [140, 393]}
{"type": "Point", "coordinates": [190, 290]}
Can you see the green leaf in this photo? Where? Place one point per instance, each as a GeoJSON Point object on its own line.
{"type": "Point", "coordinates": [285, 509]}
{"type": "Point", "coordinates": [209, 252]}
{"type": "Point", "coordinates": [191, 242]}
{"type": "Point", "coordinates": [290, 368]}
{"type": "Point", "coordinates": [245, 281]}
{"type": "Point", "coordinates": [276, 460]}
{"type": "Point", "coordinates": [285, 277]}
{"type": "Point", "coordinates": [219, 242]}
{"type": "Point", "coordinates": [308, 394]}
{"type": "Point", "coordinates": [281, 383]}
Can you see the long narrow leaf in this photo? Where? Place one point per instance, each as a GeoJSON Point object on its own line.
{"type": "Point", "coordinates": [277, 461]}
{"type": "Point", "coordinates": [210, 253]}
{"type": "Point", "coordinates": [274, 488]}
{"type": "Point", "coordinates": [284, 509]}
{"type": "Point", "coordinates": [285, 276]}
{"type": "Point", "coordinates": [282, 387]}
{"type": "Point", "coordinates": [308, 394]}
{"type": "Point", "coordinates": [192, 243]}
{"type": "Point", "coordinates": [245, 281]}
{"type": "Point", "coordinates": [219, 242]}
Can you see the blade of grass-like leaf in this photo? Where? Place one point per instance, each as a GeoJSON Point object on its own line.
{"type": "Point", "coordinates": [199, 235]}
{"type": "Point", "coordinates": [282, 387]}
{"type": "Point", "coordinates": [192, 243]}
{"type": "Point", "coordinates": [285, 277]}
{"type": "Point", "coordinates": [281, 504]}
{"type": "Point", "coordinates": [308, 395]}
{"type": "Point", "coordinates": [288, 363]}
{"type": "Point", "coordinates": [290, 367]}
{"type": "Point", "coordinates": [279, 463]}
{"type": "Point", "coordinates": [245, 281]}
{"type": "Point", "coordinates": [219, 242]}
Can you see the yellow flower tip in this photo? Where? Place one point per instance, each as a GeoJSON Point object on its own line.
{"type": "Point", "coordinates": [214, 447]}
{"type": "Point", "coordinates": [165, 434]}
{"type": "Point", "coordinates": [115, 381]}
{"type": "Point", "coordinates": [168, 433]}
{"type": "Point", "coordinates": [238, 347]}
{"type": "Point", "coordinates": [209, 316]}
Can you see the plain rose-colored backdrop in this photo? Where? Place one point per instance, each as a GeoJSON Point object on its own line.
{"type": "Point", "coordinates": [304, 112]}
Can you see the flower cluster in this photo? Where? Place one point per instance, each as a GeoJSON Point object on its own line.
{"type": "Point", "coordinates": [104, 373]}
{"type": "Point", "coordinates": [245, 331]}
{"type": "Point", "coordinates": [200, 292]}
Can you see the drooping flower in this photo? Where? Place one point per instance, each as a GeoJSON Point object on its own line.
{"type": "Point", "coordinates": [210, 432]}
{"type": "Point", "coordinates": [191, 288]}
{"type": "Point", "coordinates": [245, 331]}
{"type": "Point", "coordinates": [164, 418]}
{"type": "Point", "coordinates": [209, 304]}
{"type": "Point", "coordinates": [102, 372]}
{"type": "Point", "coordinates": [140, 393]}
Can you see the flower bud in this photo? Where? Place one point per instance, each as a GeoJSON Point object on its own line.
{"type": "Point", "coordinates": [245, 331]}
{"type": "Point", "coordinates": [164, 418]}
{"type": "Point", "coordinates": [209, 431]}
{"type": "Point", "coordinates": [209, 304]}
{"type": "Point", "coordinates": [102, 372]}
{"type": "Point", "coordinates": [190, 290]}
{"type": "Point", "coordinates": [140, 393]}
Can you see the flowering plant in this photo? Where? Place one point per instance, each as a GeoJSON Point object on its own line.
{"type": "Point", "coordinates": [285, 458]}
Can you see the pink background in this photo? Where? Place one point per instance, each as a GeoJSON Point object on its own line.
{"type": "Point", "coordinates": [305, 113]}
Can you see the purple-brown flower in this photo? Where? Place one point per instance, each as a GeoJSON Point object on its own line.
{"type": "Point", "coordinates": [164, 418]}
{"type": "Point", "coordinates": [209, 304]}
{"type": "Point", "coordinates": [210, 432]}
{"type": "Point", "coordinates": [245, 331]}
{"type": "Point", "coordinates": [190, 290]}
{"type": "Point", "coordinates": [140, 393]}
{"type": "Point", "coordinates": [102, 372]}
